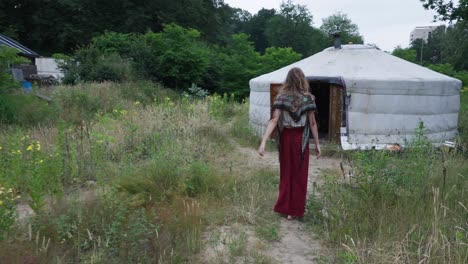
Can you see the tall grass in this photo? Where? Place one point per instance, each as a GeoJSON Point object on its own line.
{"type": "Point", "coordinates": [397, 208]}
{"type": "Point", "coordinates": [126, 177]}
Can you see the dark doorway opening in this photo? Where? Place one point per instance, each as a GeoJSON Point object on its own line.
{"type": "Point", "coordinates": [321, 91]}
{"type": "Point", "coordinates": [328, 92]}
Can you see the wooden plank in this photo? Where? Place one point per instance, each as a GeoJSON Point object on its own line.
{"type": "Point", "coordinates": [274, 90]}
{"type": "Point", "coordinates": [336, 106]}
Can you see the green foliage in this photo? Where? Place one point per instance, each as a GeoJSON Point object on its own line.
{"type": "Point", "coordinates": [221, 107]}
{"type": "Point", "coordinates": [448, 10]}
{"type": "Point", "coordinates": [91, 65]}
{"type": "Point", "coordinates": [25, 110]}
{"type": "Point", "coordinates": [180, 56]}
{"type": "Point", "coordinates": [292, 27]}
{"type": "Point", "coordinates": [406, 54]}
{"type": "Point", "coordinates": [8, 56]}
{"type": "Point", "coordinates": [130, 184]}
{"type": "Point", "coordinates": [276, 58]}
{"type": "Point", "coordinates": [239, 63]}
{"type": "Point", "coordinates": [7, 210]}
{"type": "Point", "coordinates": [455, 45]}
{"type": "Point", "coordinates": [200, 179]}
{"type": "Point", "coordinates": [463, 117]}
{"type": "Point", "coordinates": [113, 42]}
{"type": "Point", "coordinates": [448, 69]}
{"type": "Point", "coordinates": [349, 31]}
{"type": "Point", "coordinates": [195, 92]}
{"type": "Point", "coordinates": [82, 102]}
{"type": "Point", "coordinates": [444, 45]}
{"type": "Point", "coordinates": [392, 198]}
{"type": "Point", "coordinates": [256, 26]}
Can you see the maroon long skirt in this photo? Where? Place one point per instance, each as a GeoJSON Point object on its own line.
{"type": "Point", "coordinates": [293, 174]}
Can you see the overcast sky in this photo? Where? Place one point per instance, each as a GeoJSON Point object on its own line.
{"type": "Point", "coordinates": [387, 23]}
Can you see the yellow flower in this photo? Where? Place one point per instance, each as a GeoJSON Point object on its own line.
{"type": "Point", "coordinates": [1, 202]}
{"type": "Point", "coordinates": [30, 148]}
{"type": "Point", "coordinates": [38, 146]}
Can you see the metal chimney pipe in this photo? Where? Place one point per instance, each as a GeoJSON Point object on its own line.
{"type": "Point", "coordinates": [337, 39]}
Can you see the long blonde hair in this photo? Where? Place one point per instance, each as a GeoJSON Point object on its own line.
{"type": "Point", "coordinates": [296, 83]}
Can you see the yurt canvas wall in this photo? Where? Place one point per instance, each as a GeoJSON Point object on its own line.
{"type": "Point", "coordinates": [384, 98]}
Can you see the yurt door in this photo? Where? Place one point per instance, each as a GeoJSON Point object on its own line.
{"type": "Point", "coordinates": [328, 98]}
{"type": "Point", "coordinates": [336, 106]}
{"type": "Point", "coordinates": [274, 90]}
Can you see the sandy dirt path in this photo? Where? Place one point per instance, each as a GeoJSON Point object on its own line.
{"type": "Point", "coordinates": [296, 245]}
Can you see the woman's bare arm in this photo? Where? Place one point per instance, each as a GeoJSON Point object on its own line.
{"type": "Point", "coordinates": [271, 126]}
{"type": "Point", "coordinates": [314, 129]}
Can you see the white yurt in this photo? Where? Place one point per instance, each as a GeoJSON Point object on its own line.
{"type": "Point", "coordinates": [367, 98]}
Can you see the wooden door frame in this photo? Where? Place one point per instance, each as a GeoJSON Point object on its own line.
{"type": "Point", "coordinates": [335, 118]}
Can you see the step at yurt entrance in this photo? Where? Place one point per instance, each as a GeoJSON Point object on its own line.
{"type": "Point", "coordinates": [329, 100]}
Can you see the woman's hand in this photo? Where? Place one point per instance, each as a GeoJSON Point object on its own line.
{"type": "Point", "coordinates": [318, 152]}
{"type": "Point", "coordinates": [261, 149]}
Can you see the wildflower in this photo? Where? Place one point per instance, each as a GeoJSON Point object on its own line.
{"type": "Point", "coordinates": [38, 145]}
{"type": "Point", "coordinates": [123, 112]}
{"type": "Point", "coordinates": [30, 148]}
{"type": "Point", "coordinates": [10, 190]}
{"type": "Point", "coordinates": [137, 103]}
{"type": "Point", "coordinates": [1, 202]}
{"type": "Point", "coordinates": [0, 147]}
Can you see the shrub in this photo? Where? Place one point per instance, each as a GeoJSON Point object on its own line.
{"type": "Point", "coordinates": [180, 56]}
{"type": "Point", "coordinates": [8, 56]}
{"type": "Point", "coordinates": [200, 179]}
{"type": "Point", "coordinates": [25, 110]}
{"type": "Point", "coordinates": [91, 64]}
{"type": "Point", "coordinates": [113, 42]}
{"type": "Point", "coordinates": [82, 102]}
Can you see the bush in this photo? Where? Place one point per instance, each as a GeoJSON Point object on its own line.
{"type": "Point", "coordinates": [82, 102]}
{"type": "Point", "coordinates": [8, 56]}
{"type": "Point", "coordinates": [113, 42]}
{"type": "Point", "coordinates": [24, 110]}
{"type": "Point", "coordinates": [92, 65]}
{"type": "Point", "coordinates": [181, 58]}
{"type": "Point", "coordinates": [200, 179]}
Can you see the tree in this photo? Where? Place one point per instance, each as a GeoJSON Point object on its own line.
{"type": "Point", "coordinates": [406, 54]}
{"type": "Point", "coordinates": [238, 62]}
{"type": "Point", "coordinates": [292, 27]}
{"type": "Point", "coordinates": [340, 22]}
{"type": "Point", "coordinates": [256, 26]}
{"type": "Point", "coordinates": [181, 58]}
{"type": "Point", "coordinates": [276, 58]}
{"type": "Point", "coordinates": [8, 56]}
{"type": "Point", "coordinates": [64, 25]}
{"type": "Point", "coordinates": [455, 47]}
{"type": "Point", "coordinates": [447, 10]}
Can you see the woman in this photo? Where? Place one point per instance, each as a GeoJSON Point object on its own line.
{"type": "Point", "coordinates": [294, 117]}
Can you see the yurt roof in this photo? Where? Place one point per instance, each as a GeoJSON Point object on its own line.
{"type": "Point", "coordinates": [366, 69]}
